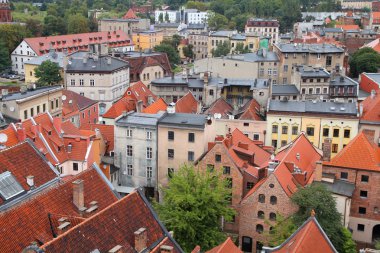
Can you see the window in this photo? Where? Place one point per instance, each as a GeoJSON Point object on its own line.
{"type": "Point", "coordinates": [226, 170]}
{"type": "Point", "coordinates": [274, 129]}
{"type": "Point", "coordinates": [229, 182]}
{"type": "Point", "coordinates": [364, 178]}
{"type": "Point", "coordinates": [284, 129]}
{"type": "Point", "coordinates": [336, 133]}
{"type": "Point", "coordinates": [43, 107]}
{"type": "Point", "coordinates": [324, 90]}
{"type": "Point", "coordinates": [247, 244]}
{"type": "Point", "coordinates": [170, 135]}
{"type": "Point", "coordinates": [334, 148]}
{"type": "Point", "coordinates": [326, 132]}
{"type": "Point", "coordinates": [259, 228]}
{"type": "Point", "coordinates": [260, 214]}
{"type": "Point", "coordinates": [149, 153]}
{"type": "Point", "coordinates": [272, 216]}
{"type": "Point", "coordinates": [311, 90]}
{"type": "Point", "coordinates": [271, 185]}
{"type": "Point", "coordinates": [256, 137]}
{"type": "Point", "coordinates": [294, 130]}
{"type": "Point", "coordinates": [274, 143]}
{"type": "Point", "coordinates": [92, 82]}
{"type": "Point", "coordinates": [75, 167]}
{"type": "Point", "coordinates": [318, 91]}
{"type": "Point", "coordinates": [328, 60]}
{"type": "Point", "coordinates": [52, 105]}
{"type": "Point", "coordinates": [190, 156]}
{"type": "Point", "coordinates": [170, 172]}
{"type": "Point", "coordinates": [149, 172]}
{"type": "Point", "coordinates": [250, 185]}
{"type": "Point", "coordinates": [261, 198]}
{"type": "Point", "coordinates": [210, 167]}
{"type": "Point", "coordinates": [273, 200]}
{"type": "Point", "coordinates": [362, 210]}
{"type": "Point", "coordinates": [81, 82]}
{"type": "Point", "coordinates": [72, 82]}
{"type": "Point", "coordinates": [344, 175]}
{"type": "Point", "coordinates": [171, 153]}
{"type": "Point", "coordinates": [361, 227]}
{"type": "Point", "coordinates": [38, 109]}
{"type": "Point", "coordinates": [31, 112]}
{"type": "Point", "coordinates": [310, 131]}
{"type": "Point", "coordinates": [129, 150]}
{"type": "Point", "coordinates": [364, 194]}
{"type": "Point", "coordinates": [303, 91]}
{"type": "Point", "coordinates": [246, 124]}
{"type": "Point", "coordinates": [149, 135]}
{"type": "Point", "coordinates": [129, 170]}
{"type": "Point", "coordinates": [218, 158]}
{"type": "Point", "coordinates": [191, 137]}
{"type": "Point", "coordinates": [283, 143]}
{"type": "Point", "coordinates": [346, 133]}
{"type": "Point", "coordinates": [211, 92]}
{"type": "Point", "coordinates": [129, 133]}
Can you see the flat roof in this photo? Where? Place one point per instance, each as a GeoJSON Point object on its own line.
{"type": "Point", "coordinates": [137, 118]}
{"type": "Point", "coordinates": [184, 120]}
{"type": "Point", "coordinates": [284, 89]}
{"type": "Point", "coordinates": [30, 93]}
{"type": "Point", "coordinates": [308, 71]}
{"type": "Point", "coordinates": [308, 48]}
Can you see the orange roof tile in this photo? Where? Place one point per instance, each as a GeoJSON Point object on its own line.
{"type": "Point", "coordinates": [376, 16]}
{"type": "Point", "coordinates": [31, 220]}
{"type": "Point", "coordinates": [107, 131]}
{"type": "Point", "coordinates": [69, 128]}
{"type": "Point", "coordinates": [74, 102]}
{"type": "Point", "coordinates": [126, 103]}
{"type": "Point", "coordinates": [310, 237]}
{"type": "Point", "coordinates": [227, 246]}
{"type": "Point", "coordinates": [251, 111]}
{"type": "Point", "coordinates": [220, 106]}
{"type": "Point", "coordinates": [11, 133]}
{"type": "Point", "coordinates": [360, 153]}
{"type": "Point", "coordinates": [154, 108]}
{"type": "Point", "coordinates": [348, 27]}
{"type": "Point", "coordinates": [371, 109]}
{"type": "Point", "coordinates": [130, 15]}
{"type": "Point", "coordinates": [375, 45]}
{"type": "Point", "coordinates": [187, 104]}
{"type": "Point", "coordinates": [141, 92]}
{"type": "Point", "coordinates": [117, 223]}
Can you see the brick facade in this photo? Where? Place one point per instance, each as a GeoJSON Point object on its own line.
{"type": "Point", "coordinates": [250, 207]}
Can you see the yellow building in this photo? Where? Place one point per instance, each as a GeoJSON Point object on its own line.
{"type": "Point", "coordinates": [147, 39]}
{"type": "Point", "coordinates": [32, 64]}
{"type": "Point", "coordinates": [319, 120]}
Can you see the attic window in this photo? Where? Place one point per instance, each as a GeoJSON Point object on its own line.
{"type": "Point", "coordinates": [49, 132]}
{"type": "Point", "coordinates": [9, 187]}
{"type": "Point", "coordinates": [64, 225]}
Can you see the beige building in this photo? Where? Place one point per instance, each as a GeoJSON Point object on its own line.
{"type": "Point", "coordinates": [98, 77]}
{"type": "Point", "coordinates": [125, 25]}
{"type": "Point", "coordinates": [263, 28]}
{"type": "Point", "coordinates": [328, 56]}
{"type": "Point", "coordinates": [30, 102]}
{"type": "Point", "coordinates": [182, 139]}
{"type": "Point", "coordinates": [356, 4]}
{"type": "Point", "coordinates": [200, 45]}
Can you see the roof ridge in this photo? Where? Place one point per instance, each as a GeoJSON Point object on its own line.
{"type": "Point", "coordinates": [223, 244]}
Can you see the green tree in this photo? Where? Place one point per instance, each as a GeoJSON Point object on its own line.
{"type": "Point", "coordinates": [241, 49]}
{"type": "Point", "coordinates": [281, 231]}
{"type": "Point", "coordinates": [201, 6]}
{"type": "Point", "coordinates": [13, 34]}
{"type": "Point", "coordinates": [217, 21]}
{"type": "Point", "coordinates": [175, 4]}
{"type": "Point", "coordinates": [161, 17]}
{"type": "Point", "coordinates": [48, 73]}
{"type": "Point", "coordinates": [54, 25]}
{"type": "Point", "coordinates": [364, 60]}
{"type": "Point", "coordinates": [77, 24]}
{"type": "Point", "coordinates": [316, 197]}
{"type": "Point", "coordinates": [222, 49]}
{"type": "Point", "coordinates": [188, 51]}
{"type": "Point", "coordinates": [289, 14]}
{"type": "Point", "coordinates": [171, 52]}
{"type": "Point", "coordinates": [34, 26]}
{"type": "Point", "coordinates": [193, 206]}
{"type": "Point", "coordinates": [5, 61]}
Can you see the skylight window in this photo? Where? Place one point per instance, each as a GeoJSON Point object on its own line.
{"type": "Point", "coordinates": [9, 187]}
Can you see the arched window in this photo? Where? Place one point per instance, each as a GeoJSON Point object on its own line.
{"type": "Point", "coordinates": [144, 76]}
{"type": "Point", "coordinates": [273, 200]}
{"type": "Point", "coordinates": [261, 198]}
{"type": "Point", "coordinates": [272, 216]}
{"type": "Point", "coordinates": [260, 214]}
{"type": "Point", "coordinates": [259, 228]}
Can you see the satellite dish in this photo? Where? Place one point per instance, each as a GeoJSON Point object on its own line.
{"type": "Point", "coordinates": [12, 109]}
{"type": "Point", "coordinates": [3, 138]}
{"type": "Point", "coordinates": [64, 97]}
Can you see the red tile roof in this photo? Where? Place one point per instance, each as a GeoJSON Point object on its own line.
{"type": "Point", "coordinates": [74, 102]}
{"type": "Point", "coordinates": [158, 105]}
{"type": "Point", "coordinates": [310, 238]}
{"type": "Point", "coordinates": [78, 42]}
{"type": "Point", "coordinates": [11, 133]}
{"type": "Point", "coordinates": [220, 106]}
{"type": "Point", "coordinates": [31, 220]}
{"type": "Point", "coordinates": [130, 15]}
{"type": "Point", "coordinates": [348, 27]}
{"type": "Point", "coordinates": [227, 246]}
{"type": "Point", "coordinates": [115, 225]}
{"type": "Point", "coordinates": [375, 45]}
{"type": "Point", "coordinates": [360, 153]}
{"type": "Point", "coordinates": [371, 108]}
{"type": "Point", "coordinates": [68, 128]}
{"type": "Point", "coordinates": [187, 104]}
{"type": "Point", "coordinates": [251, 111]}
{"type": "Point", "coordinates": [107, 131]}
{"type": "Point", "coordinates": [141, 92]}
{"type": "Point", "coordinates": [125, 104]}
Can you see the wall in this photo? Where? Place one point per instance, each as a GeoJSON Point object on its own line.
{"type": "Point", "coordinates": [21, 54]}
{"type": "Point", "coordinates": [89, 115]}
{"type": "Point", "coordinates": [151, 73]}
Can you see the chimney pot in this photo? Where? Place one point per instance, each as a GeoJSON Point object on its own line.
{"type": "Point", "coordinates": [141, 238]}
{"type": "Point", "coordinates": [30, 181]}
{"type": "Point", "coordinates": [78, 194]}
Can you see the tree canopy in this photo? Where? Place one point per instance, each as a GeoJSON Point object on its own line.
{"type": "Point", "coordinates": [48, 73]}
{"type": "Point", "coordinates": [364, 60]}
{"type": "Point", "coordinates": [5, 62]}
{"type": "Point", "coordinates": [77, 24]}
{"type": "Point", "coordinates": [222, 49]}
{"type": "Point", "coordinates": [193, 206]}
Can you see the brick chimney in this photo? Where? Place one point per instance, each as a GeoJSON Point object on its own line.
{"type": "Point", "coordinates": [326, 148]}
{"type": "Point", "coordinates": [318, 171]}
{"type": "Point", "coordinates": [166, 249]}
{"type": "Point", "coordinates": [141, 238]}
{"type": "Point", "coordinates": [57, 122]}
{"type": "Point", "coordinates": [78, 194]}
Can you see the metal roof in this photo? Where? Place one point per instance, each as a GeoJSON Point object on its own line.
{"type": "Point", "coordinates": [184, 120]}
{"type": "Point", "coordinates": [30, 93]}
{"type": "Point", "coordinates": [284, 89]}
{"type": "Point", "coordinates": [340, 187]}
{"type": "Point", "coordinates": [309, 48]}
{"type": "Point", "coordinates": [95, 65]}
{"type": "Point", "coordinates": [307, 71]}
{"type": "Point", "coordinates": [139, 119]}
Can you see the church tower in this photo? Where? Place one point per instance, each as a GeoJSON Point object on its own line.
{"type": "Point", "coordinates": [5, 11]}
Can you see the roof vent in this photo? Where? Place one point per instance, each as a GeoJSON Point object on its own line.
{"type": "Point", "coordinates": [116, 249]}
{"type": "Point", "coordinates": [64, 225]}
{"type": "Point", "coordinates": [342, 109]}
{"type": "Point", "coordinates": [332, 108]}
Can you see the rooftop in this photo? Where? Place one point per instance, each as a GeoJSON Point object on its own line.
{"type": "Point", "coordinates": [72, 102]}
{"type": "Point", "coordinates": [309, 71]}
{"type": "Point", "coordinates": [259, 56]}
{"type": "Point", "coordinates": [56, 57]}
{"type": "Point", "coordinates": [340, 187]}
{"type": "Point", "coordinates": [183, 120]}
{"type": "Point", "coordinates": [31, 93]}
{"type": "Point", "coordinates": [155, 107]}
{"type": "Point", "coordinates": [135, 118]}
{"type": "Point", "coordinates": [309, 48]}
{"type": "Point", "coordinates": [187, 104]}
{"type": "Point", "coordinates": [91, 63]}
{"type": "Point", "coordinates": [284, 89]}
{"type": "Point", "coordinates": [228, 246]}
{"type": "Point", "coordinates": [344, 81]}
{"type": "Point", "coordinates": [371, 109]}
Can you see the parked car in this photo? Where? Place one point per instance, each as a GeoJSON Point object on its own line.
{"type": "Point", "coordinates": [13, 77]}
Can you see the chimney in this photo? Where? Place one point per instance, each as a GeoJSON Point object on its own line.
{"type": "Point", "coordinates": [318, 171]}
{"type": "Point", "coordinates": [30, 181]}
{"type": "Point", "coordinates": [373, 94]}
{"type": "Point", "coordinates": [109, 60]}
{"type": "Point", "coordinates": [139, 106]}
{"type": "Point", "coordinates": [171, 108]}
{"type": "Point", "coordinates": [326, 149]}
{"type": "Point", "coordinates": [21, 135]}
{"type": "Point", "coordinates": [205, 78]}
{"type": "Point", "coordinates": [166, 249]}
{"type": "Point", "coordinates": [361, 109]}
{"type": "Point", "coordinates": [57, 122]}
{"type": "Point", "coordinates": [69, 148]}
{"type": "Point", "coordinates": [141, 238]}
{"type": "Point", "coordinates": [78, 195]}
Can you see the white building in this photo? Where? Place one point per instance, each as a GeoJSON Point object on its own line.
{"type": "Point", "coordinates": [174, 16]}
{"type": "Point", "coordinates": [196, 17]}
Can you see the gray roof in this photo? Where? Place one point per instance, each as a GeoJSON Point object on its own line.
{"type": "Point", "coordinates": [256, 57]}
{"type": "Point", "coordinates": [167, 25]}
{"type": "Point", "coordinates": [308, 71]}
{"type": "Point", "coordinates": [184, 120]}
{"type": "Point", "coordinates": [343, 80]}
{"type": "Point", "coordinates": [120, 20]}
{"type": "Point", "coordinates": [139, 119]}
{"type": "Point", "coordinates": [317, 107]}
{"type": "Point", "coordinates": [238, 36]}
{"type": "Point", "coordinates": [309, 48]}
{"type": "Point", "coordinates": [30, 93]}
{"type": "Point", "coordinates": [93, 65]}
{"type": "Point", "coordinates": [284, 89]}
{"type": "Point", "coordinates": [222, 33]}
{"type": "Point", "coordinates": [196, 26]}
{"type": "Point", "coordinates": [52, 56]}
{"type": "Point", "coordinates": [333, 30]}
{"type": "Point", "coordinates": [135, 54]}
{"type": "Point", "coordinates": [340, 187]}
